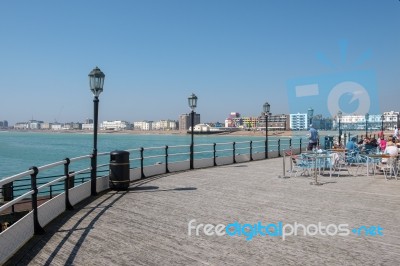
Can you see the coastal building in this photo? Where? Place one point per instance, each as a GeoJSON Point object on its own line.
{"type": "Point", "coordinates": [34, 124]}
{"type": "Point", "coordinates": [143, 125]}
{"type": "Point", "coordinates": [234, 120]}
{"type": "Point", "coordinates": [298, 121]}
{"type": "Point", "coordinates": [56, 126]}
{"type": "Point", "coordinates": [250, 122]}
{"type": "Point", "coordinates": [87, 126]}
{"type": "Point", "coordinates": [357, 122]}
{"type": "Point", "coordinates": [185, 121]}
{"type": "Point", "coordinates": [323, 123]}
{"type": "Point", "coordinates": [45, 126]}
{"type": "Point", "coordinates": [115, 125]}
{"type": "Point", "coordinates": [275, 122]}
{"type": "Point", "coordinates": [77, 126]}
{"type": "Point", "coordinates": [21, 125]}
{"type": "Point", "coordinates": [4, 124]}
{"type": "Point", "coordinates": [165, 125]}
{"type": "Point", "coordinates": [390, 120]}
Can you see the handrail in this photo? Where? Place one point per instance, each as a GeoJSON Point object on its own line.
{"type": "Point", "coordinates": [201, 151]}
{"type": "Point", "coordinates": [16, 200]}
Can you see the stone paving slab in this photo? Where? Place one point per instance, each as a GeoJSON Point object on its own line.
{"type": "Point", "coordinates": [148, 224]}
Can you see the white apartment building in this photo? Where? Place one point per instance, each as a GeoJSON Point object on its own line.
{"type": "Point", "coordinates": [34, 124]}
{"type": "Point", "coordinates": [21, 125]}
{"type": "Point", "coordinates": [143, 125]}
{"type": "Point", "coordinates": [390, 119]}
{"type": "Point", "coordinates": [87, 126]}
{"type": "Point", "coordinates": [165, 125]}
{"type": "Point", "coordinates": [56, 126]}
{"type": "Point", "coordinates": [45, 125]}
{"type": "Point", "coordinates": [298, 121]}
{"type": "Point", "coordinates": [115, 125]}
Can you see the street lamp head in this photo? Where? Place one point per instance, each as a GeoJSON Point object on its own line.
{"type": "Point", "coordinates": [96, 81]}
{"type": "Point", "coordinates": [366, 116]}
{"type": "Point", "coordinates": [310, 112]}
{"type": "Point", "coordinates": [192, 100]}
{"type": "Point", "coordinates": [339, 114]}
{"type": "Point", "coordinates": [266, 108]}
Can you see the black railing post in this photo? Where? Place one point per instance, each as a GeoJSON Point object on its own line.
{"type": "Point", "coordinates": [215, 153]}
{"type": "Point", "coordinates": [251, 150]}
{"type": "Point", "coordinates": [68, 204]}
{"type": "Point", "coordinates": [300, 145]}
{"type": "Point", "coordinates": [38, 230]}
{"type": "Point", "coordinates": [51, 191]}
{"type": "Point", "coordinates": [234, 152]}
{"type": "Point", "coordinates": [166, 159]}
{"type": "Point", "coordinates": [93, 173]}
{"type": "Point", "coordinates": [279, 147]}
{"type": "Point", "coordinates": [141, 163]}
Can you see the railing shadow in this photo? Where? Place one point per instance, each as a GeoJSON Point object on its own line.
{"type": "Point", "coordinates": [35, 245]}
{"type": "Point", "coordinates": [145, 189]}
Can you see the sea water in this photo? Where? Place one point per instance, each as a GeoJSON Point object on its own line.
{"type": "Point", "coordinates": [21, 150]}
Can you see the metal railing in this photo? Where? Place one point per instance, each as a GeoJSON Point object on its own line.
{"type": "Point", "coordinates": [44, 182]}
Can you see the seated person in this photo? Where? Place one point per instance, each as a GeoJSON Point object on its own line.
{"type": "Point", "coordinates": [352, 145]}
{"type": "Point", "coordinates": [352, 150]}
{"type": "Point", "coordinates": [391, 149]}
{"type": "Point", "coordinates": [370, 145]}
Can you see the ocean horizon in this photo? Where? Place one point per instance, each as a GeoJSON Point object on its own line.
{"type": "Point", "coordinates": [21, 150]}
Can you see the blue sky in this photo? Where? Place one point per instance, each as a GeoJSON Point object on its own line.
{"type": "Point", "coordinates": [234, 55]}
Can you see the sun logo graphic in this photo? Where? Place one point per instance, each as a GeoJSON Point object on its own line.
{"type": "Point", "coordinates": [351, 92]}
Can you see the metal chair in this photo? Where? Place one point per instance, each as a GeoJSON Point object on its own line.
{"type": "Point", "coordinates": [301, 164]}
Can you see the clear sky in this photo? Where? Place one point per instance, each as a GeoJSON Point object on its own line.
{"type": "Point", "coordinates": [233, 54]}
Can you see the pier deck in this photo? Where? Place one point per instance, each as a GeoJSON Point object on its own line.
{"type": "Point", "coordinates": [148, 224]}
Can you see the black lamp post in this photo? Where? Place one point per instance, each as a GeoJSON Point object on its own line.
{"type": "Point", "coordinates": [339, 114]}
{"type": "Point", "coordinates": [266, 108]}
{"type": "Point", "coordinates": [96, 81]}
{"type": "Point", "coordinates": [382, 117]}
{"type": "Point", "coordinates": [366, 124]}
{"type": "Point", "coordinates": [310, 113]}
{"type": "Point", "coordinates": [192, 100]}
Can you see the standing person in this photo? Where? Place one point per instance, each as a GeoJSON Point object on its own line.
{"type": "Point", "coordinates": [313, 138]}
{"type": "Point", "coordinates": [382, 143]}
{"type": "Point", "coordinates": [396, 133]}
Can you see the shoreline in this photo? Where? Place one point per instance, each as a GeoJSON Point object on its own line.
{"type": "Point", "coordinates": [245, 133]}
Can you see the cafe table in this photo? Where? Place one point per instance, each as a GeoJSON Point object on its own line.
{"type": "Point", "coordinates": [381, 156]}
{"type": "Point", "coordinates": [317, 157]}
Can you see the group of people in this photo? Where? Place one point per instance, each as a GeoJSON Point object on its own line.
{"type": "Point", "coordinates": [368, 145]}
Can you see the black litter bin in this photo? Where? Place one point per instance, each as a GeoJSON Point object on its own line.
{"type": "Point", "coordinates": [119, 170]}
{"type": "Point", "coordinates": [8, 193]}
{"type": "Point", "coordinates": [328, 142]}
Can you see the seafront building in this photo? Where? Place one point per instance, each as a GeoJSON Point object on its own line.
{"type": "Point", "coordinates": [299, 121]}
{"type": "Point", "coordinates": [185, 121]}
{"type": "Point", "coordinates": [275, 122]}
{"type": "Point", "coordinates": [143, 125]}
{"type": "Point", "coordinates": [115, 125]}
{"type": "Point", "coordinates": [375, 121]}
{"type": "Point", "coordinates": [165, 125]}
{"type": "Point", "coordinates": [280, 122]}
{"type": "Point", "coordinates": [4, 124]}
